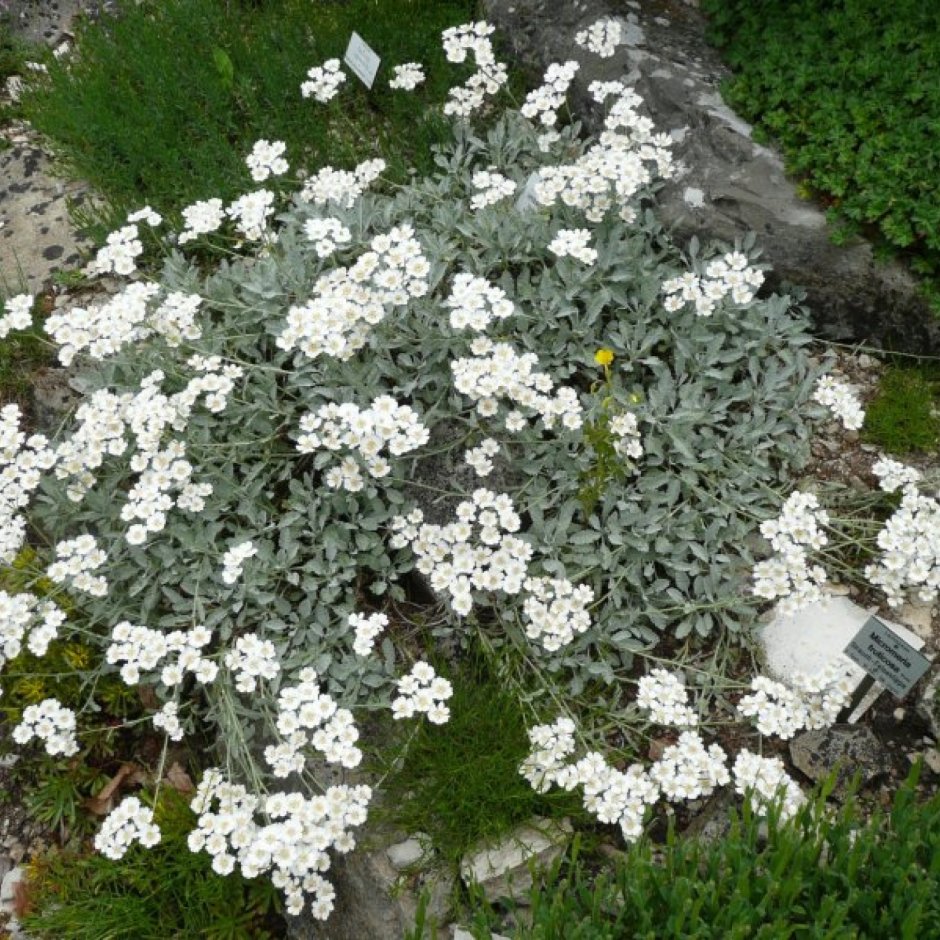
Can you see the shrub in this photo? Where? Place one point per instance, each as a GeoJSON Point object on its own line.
{"type": "Point", "coordinates": [849, 89]}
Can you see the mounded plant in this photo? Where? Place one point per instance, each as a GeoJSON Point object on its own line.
{"type": "Point", "coordinates": [498, 393]}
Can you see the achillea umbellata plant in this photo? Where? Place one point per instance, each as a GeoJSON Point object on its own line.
{"type": "Point", "coordinates": [501, 377]}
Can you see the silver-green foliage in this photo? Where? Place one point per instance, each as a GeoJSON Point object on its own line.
{"type": "Point", "coordinates": [719, 402]}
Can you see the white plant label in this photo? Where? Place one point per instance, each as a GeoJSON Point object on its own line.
{"type": "Point", "coordinates": [363, 62]}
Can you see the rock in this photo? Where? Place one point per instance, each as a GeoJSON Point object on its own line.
{"type": "Point", "coordinates": [919, 617]}
{"type": "Point", "coordinates": [374, 901]}
{"type": "Point", "coordinates": [8, 886]}
{"type": "Point", "coordinates": [928, 702]}
{"type": "Point", "coordinates": [406, 854]}
{"type": "Point", "coordinates": [503, 869]}
{"type": "Point", "coordinates": [932, 759]}
{"type": "Point", "coordinates": [846, 749]}
{"type": "Point", "coordinates": [743, 185]}
{"type": "Point", "coordinates": [816, 636]}
{"type": "Point", "coordinates": [713, 823]}
{"type": "Point", "coordinates": [17, 852]}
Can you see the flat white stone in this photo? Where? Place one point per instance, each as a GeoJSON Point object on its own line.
{"type": "Point", "coordinates": [405, 854]}
{"type": "Point", "coordinates": [816, 636]}
{"type": "Point", "coordinates": [693, 197]}
{"type": "Point", "coordinates": [8, 888]}
{"type": "Point", "coordinates": [460, 933]}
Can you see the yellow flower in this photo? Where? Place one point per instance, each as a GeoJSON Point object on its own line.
{"type": "Point", "coordinates": [604, 357]}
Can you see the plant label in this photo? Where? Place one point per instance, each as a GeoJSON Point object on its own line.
{"type": "Point", "coordinates": [886, 657]}
{"type": "Point", "coordinates": [363, 62]}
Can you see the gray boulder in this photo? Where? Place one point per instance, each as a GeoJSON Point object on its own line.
{"type": "Point", "coordinates": [728, 184]}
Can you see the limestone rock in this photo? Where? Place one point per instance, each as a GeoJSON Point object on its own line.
{"type": "Point", "coordinates": [846, 749]}
{"type": "Point", "coordinates": [502, 869]}
{"type": "Point", "coordinates": [409, 853]}
{"type": "Point", "coordinates": [728, 184]}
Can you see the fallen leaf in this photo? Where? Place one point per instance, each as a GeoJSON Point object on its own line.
{"type": "Point", "coordinates": [102, 802]}
{"type": "Point", "coordinates": [177, 778]}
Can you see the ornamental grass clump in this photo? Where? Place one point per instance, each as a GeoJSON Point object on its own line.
{"type": "Point", "coordinates": [388, 384]}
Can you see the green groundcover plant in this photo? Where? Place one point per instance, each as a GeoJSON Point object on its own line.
{"type": "Point", "coordinates": [498, 388]}
{"type": "Point", "coordinates": [850, 90]}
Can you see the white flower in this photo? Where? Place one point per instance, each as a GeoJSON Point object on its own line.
{"type": "Point", "coordinates": [130, 822]}
{"type": "Point", "coordinates": [267, 159]}
{"type": "Point", "coordinates": [841, 401]}
{"type": "Point", "coordinates": [324, 81]}
{"type": "Point", "coordinates": [601, 37]}
{"type": "Point", "coordinates": [201, 218]}
{"type": "Point", "coordinates": [574, 243]}
{"type": "Point", "coordinates": [18, 314]}
{"type": "Point", "coordinates": [407, 76]}
{"type": "Point", "coordinates": [422, 690]}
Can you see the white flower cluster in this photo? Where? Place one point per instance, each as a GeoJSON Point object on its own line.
{"type": "Point", "coordinates": [478, 551]}
{"type": "Point", "coordinates": [76, 559]}
{"type": "Point", "coordinates": [250, 213]}
{"type": "Point", "coordinates": [308, 716]}
{"type": "Point", "coordinates": [343, 187]}
{"type": "Point", "coordinates": [141, 649]}
{"type": "Point", "coordinates": [102, 329]}
{"type": "Point", "coordinates": [491, 187]}
{"type": "Point", "coordinates": [130, 822]}
{"type": "Point", "coordinates": [475, 303]}
{"type": "Point", "coordinates": [233, 561]}
{"type": "Point", "coordinates": [496, 371]}
{"type": "Point", "coordinates": [252, 659]}
{"type": "Point", "coordinates": [293, 846]}
{"type": "Point", "coordinates": [489, 76]}
{"type": "Point", "coordinates": [610, 173]}
{"type": "Point", "coordinates": [22, 613]}
{"type": "Point", "coordinates": [364, 431]}
{"type": "Point", "coordinates": [167, 719]}
{"type": "Point", "coordinates": [894, 475]}
{"type": "Point", "coordinates": [665, 697]}
{"type": "Point", "coordinates": [119, 252]}
{"type": "Point", "coordinates": [808, 702]}
{"type": "Point", "coordinates": [601, 91]}
{"type": "Point", "coordinates": [839, 398]}
{"type": "Point", "coordinates": [324, 81]}
{"type": "Point", "coordinates": [788, 574]}
{"type": "Point", "coordinates": [367, 628]}
{"type": "Point", "coordinates": [764, 780]}
{"type": "Point", "coordinates": [542, 103]}
{"type": "Point", "coordinates": [422, 691]}
{"type": "Point", "coordinates": [729, 275]}
{"type": "Point", "coordinates": [164, 469]}
{"type": "Point", "coordinates": [22, 460]}
{"type": "Point", "coordinates": [407, 76]}
{"type": "Point", "coordinates": [50, 722]}
{"type": "Point", "coordinates": [347, 302]}
{"type": "Point", "coordinates": [601, 37]}
{"type": "Point", "coordinates": [201, 218]}
{"type": "Point", "coordinates": [573, 243]}
{"type": "Point", "coordinates": [146, 215]}
{"type": "Point", "coordinates": [626, 431]}
{"type": "Point", "coordinates": [327, 235]}
{"type": "Point", "coordinates": [910, 546]}
{"type": "Point", "coordinates": [688, 770]}
{"type": "Point", "coordinates": [18, 314]}
{"type": "Point", "coordinates": [556, 611]}
{"type": "Point", "coordinates": [480, 458]}
{"type": "Point", "coordinates": [267, 159]}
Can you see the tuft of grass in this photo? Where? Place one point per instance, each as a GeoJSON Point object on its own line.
{"type": "Point", "coordinates": [151, 894]}
{"type": "Point", "coordinates": [164, 100]}
{"type": "Point", "coordinates": [903, 417]}
{"type": "Point", "coordinates": [460, 782]}
{"type": "Point", "coordinates": [825, 875]}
